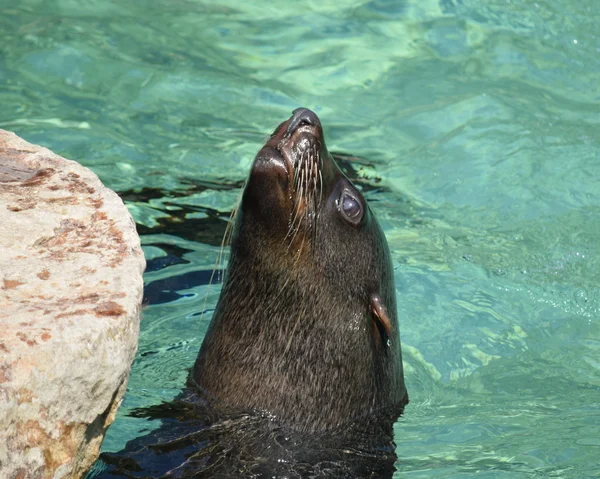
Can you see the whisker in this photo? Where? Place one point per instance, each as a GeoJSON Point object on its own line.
{"type": "Point", "coordinates": [308, 194]}
{"type": "Point", "coordinates": [287, 347]}
{"type": "Point", "coordinates": [320, 187]}
{"type": "Point", "coordinates": [219, 261]}
{"type": "Point", "coordinates": [298, 203]}
{"type": "Point", "coordinates": [297, 185]}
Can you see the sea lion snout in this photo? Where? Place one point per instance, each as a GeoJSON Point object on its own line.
{"type": "Point", "coordinates": [302, 116]}
{"type": "Point", "coordinates": [290, 140]}
{"type": "Point", "coordinates": [285, 184]}
{"type": "Point", "coordinates": [302, 119]}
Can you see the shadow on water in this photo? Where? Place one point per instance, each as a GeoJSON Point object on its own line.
{"type": "Point", "coordinates": [174, 255]}
{"type": "Point", "coordinates": [166, 290]}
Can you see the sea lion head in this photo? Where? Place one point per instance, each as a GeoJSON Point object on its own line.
{"type": "Point", "coordinates": [305, 328]}
{"type": "Point", "coordinates": [300, 211]}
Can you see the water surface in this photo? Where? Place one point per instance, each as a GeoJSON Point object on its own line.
{"type": "Point", "coordinates": [477, 127]}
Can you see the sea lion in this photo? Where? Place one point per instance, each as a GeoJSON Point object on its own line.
{"type": "Point", "coordinates": [305, 327]}
{"type": "Point", "coordinates": [300, 372]}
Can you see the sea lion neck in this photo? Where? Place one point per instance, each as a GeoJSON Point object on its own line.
{"type": "Point", "coordinates": [284, 345]}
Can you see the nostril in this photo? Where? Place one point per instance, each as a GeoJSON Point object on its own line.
{"type": "Point", "coordinates": [300, 117]}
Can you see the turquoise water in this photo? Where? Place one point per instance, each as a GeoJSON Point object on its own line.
{"type": "Point", "coordinates": [478, 121]}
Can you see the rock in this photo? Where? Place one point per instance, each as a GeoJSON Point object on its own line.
{"type": "Point", "coordinates": [70, 297]}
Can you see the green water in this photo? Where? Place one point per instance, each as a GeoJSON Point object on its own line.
{"type": "Point", "coordinates": [482, 120]}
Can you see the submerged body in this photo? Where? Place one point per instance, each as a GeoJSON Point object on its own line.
{"type": "Point", "coordinates": [300, 373]}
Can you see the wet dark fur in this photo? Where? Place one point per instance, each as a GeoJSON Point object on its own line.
{"type": "Point", "coordinates": [292, 343]}
{"type": "Point", "coordinates": [292, 333]}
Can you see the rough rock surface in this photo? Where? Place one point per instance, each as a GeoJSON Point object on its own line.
{"type": "Point", "coordinates": [70, 296]}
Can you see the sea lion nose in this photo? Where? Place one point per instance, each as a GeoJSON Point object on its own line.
{"type": "Point", "coordinates": [302, 116]}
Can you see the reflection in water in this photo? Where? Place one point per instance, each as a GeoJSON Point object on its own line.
{"type": "Point", "coordinates": [166, 290]}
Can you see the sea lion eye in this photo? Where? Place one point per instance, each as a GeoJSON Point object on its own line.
{"type": "Point", "coordinates": [350, 207]}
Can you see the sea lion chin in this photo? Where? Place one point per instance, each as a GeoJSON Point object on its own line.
{"type": "Point", "coordinates": [305, 328]}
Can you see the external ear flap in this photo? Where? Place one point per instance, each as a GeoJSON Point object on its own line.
{"type": "Point", "coordinates": [381, 321]}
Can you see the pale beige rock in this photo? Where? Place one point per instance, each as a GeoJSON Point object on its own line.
{"type": "Point", "coordinates": [70, 296]}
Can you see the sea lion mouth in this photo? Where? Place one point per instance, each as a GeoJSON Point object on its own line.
{"type": "Point", "coordinates": [297, 140]}
{"type": "Point", "coordinates": [298, 145]}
